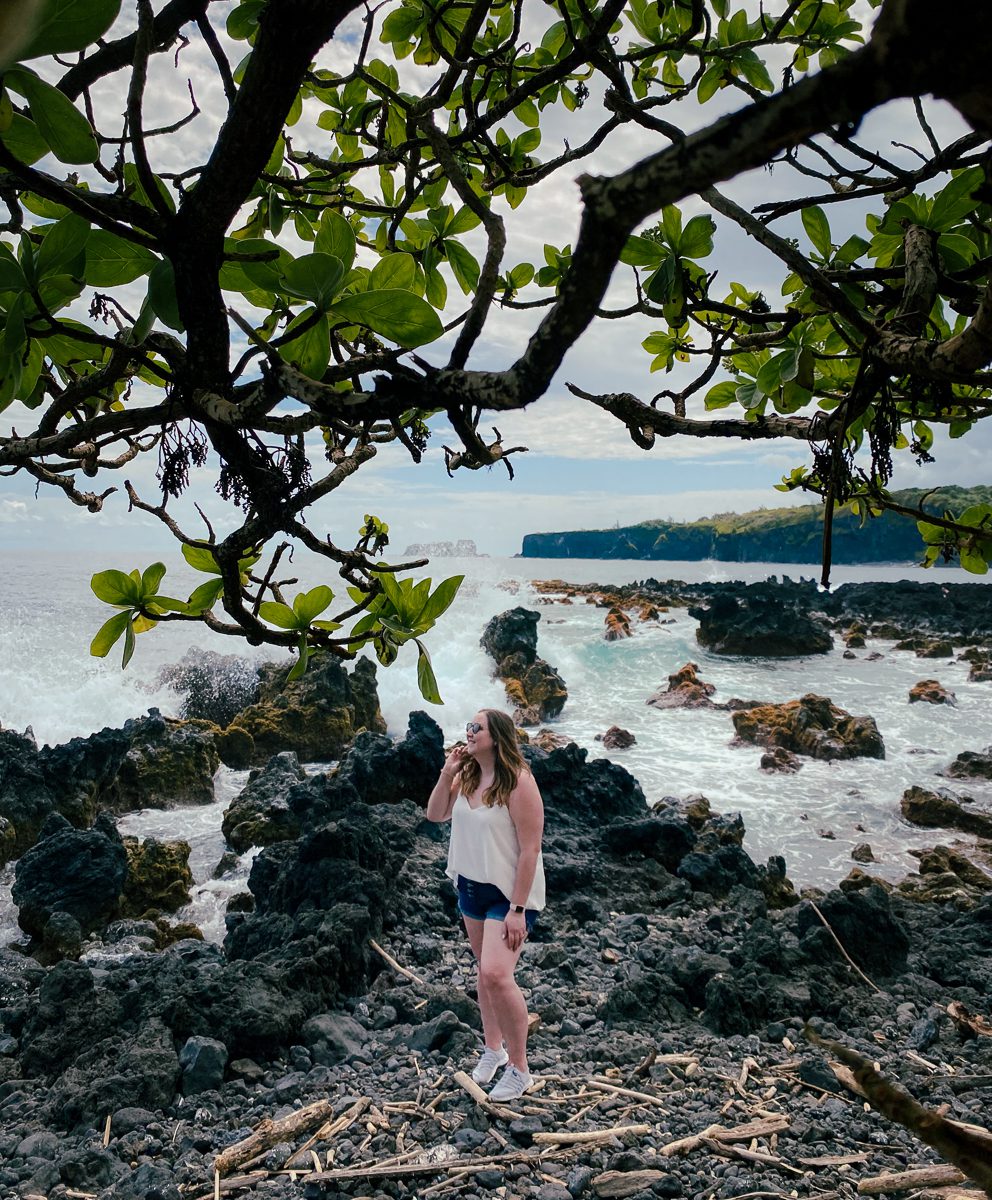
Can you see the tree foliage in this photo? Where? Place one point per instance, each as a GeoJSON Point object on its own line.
{"type": "Point", "coordinates": [292, 284]}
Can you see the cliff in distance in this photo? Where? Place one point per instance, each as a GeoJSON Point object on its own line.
{"type": "Point", "coordinates": [781, 535]}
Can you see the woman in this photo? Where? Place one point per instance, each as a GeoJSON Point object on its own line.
{"type": "Point", "coordinates": [494, 857]}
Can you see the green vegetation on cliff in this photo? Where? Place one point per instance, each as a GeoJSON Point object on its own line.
{"type": "Point", "coordinates": [767, 535]}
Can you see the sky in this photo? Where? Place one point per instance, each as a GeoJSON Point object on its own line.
{"type": "Point", "coordinates": [580, 470]}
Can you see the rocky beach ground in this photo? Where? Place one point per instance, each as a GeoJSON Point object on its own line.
{"type": "Point", "coordinates": [318, 1053]}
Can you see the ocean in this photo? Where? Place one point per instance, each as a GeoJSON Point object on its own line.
{"type": "Point", "coordinates": [50, 683]}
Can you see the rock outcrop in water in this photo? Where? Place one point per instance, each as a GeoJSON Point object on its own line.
{"type": "Point", "coordinates": [152, 762]}
{"type": "Point", "coordinates": [316, 716]}
{"type": "Point", "coordinates": [533, 687]}
{"type": "Point", "coordinates": [759, 620]}
{"type": "Point", "coordinates": [813, 726]}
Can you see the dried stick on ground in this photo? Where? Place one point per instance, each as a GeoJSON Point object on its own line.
{"type": "Point", "coordinates": [840, 947]}
{"type": "Point", "coordinates": [479, 1096]}
{"type": "Point", "coordinates": [966, 1146]}
{"type": "Point", "coordinates": [909, 1181]}
{"type": "Point", "coordinates": [394, 964]}
{"type": "Point", "coordinates": [622, 1091]}
{"type": "Point", "coordinates": [269, 1133]}
{"type": "Point", "coordinates": [590, 1135]}
{"type": "Point", "coordinates": [330, 1128]}
{"type": "Point", "coordinates": [720, 1133]}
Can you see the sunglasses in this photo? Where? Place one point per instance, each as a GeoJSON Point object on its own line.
{"type": "Point", "coordinates": [473, 727]}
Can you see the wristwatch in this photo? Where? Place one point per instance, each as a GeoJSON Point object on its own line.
{"type": "Point", "coordinates": [516, 908]}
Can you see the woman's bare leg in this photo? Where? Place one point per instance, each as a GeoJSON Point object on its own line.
{"type": "Point", "coordinates": [496, 966]}
{"type": "Point", "coordinates": [491, 1029]}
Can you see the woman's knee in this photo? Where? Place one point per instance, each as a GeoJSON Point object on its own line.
{"type": "Point", "coordinates": [495, 976]}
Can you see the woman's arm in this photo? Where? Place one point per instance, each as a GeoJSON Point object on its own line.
{"type": "Point", "coordinates": [442, 799]}
{"type": "Point", "coordinates": [527, 813]}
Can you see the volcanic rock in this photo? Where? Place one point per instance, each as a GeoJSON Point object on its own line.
{"type": "Point", "coordinates": [158, 876]}
{"type": "Point", "coordinates": [685, 690]}
{"type": "Point", "coordinates": [971, 764]}
{"type": "Point", "coordinates": [932, 692]}
{"type": "Point", "coordinates": [79, 872]}
{"type": "Point", "coordinates": [535, 688]}
{"type": "Point", "coordinates": [316, 716]}
{"type": "Point", "coordinates": [942, 809]}
{"type": "Point", "coordinates": [759, 621]}
{"type": "Point", "coordinates": [617, 625]}
{"type": "Point", "coordinates": [813, 726]}
{"type": "Point", "coordinates": [260, 815]}
{"type": "Point", "coordinates": [616, 738]}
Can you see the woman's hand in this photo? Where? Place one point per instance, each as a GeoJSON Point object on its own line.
{"type": "Point", "coordinates": [514, 929]}
{"type": "Point", "coordinates": [453, 763]}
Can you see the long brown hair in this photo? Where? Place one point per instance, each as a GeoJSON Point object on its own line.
{"type": "Point", "coordinates": [508, 764]}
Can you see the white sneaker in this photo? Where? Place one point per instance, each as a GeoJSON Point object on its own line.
{"type": "Point", "coordinates": [512, 1085]}
{"type": "Point", "coordinates": [489, 1063]}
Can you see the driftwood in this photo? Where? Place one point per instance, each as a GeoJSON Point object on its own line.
{"type": "Point", "coordinates": [589, 1135]}
{"type": "Point", "coordinates": [330, 1128]}
{"type": "Point", "coordinates": [720, 1133]}
{"type": "Point", "coordinates": [615, 1185]}
{"type": "Point", "coordinates": [968, 1024]}
{"type": "Point", "coordinates": [466, 1082]}
{"type": "Point", "coordinates": [840, 946]}
{"type": "Point", "coordinates": [391, 962]}
{"type": "Point", "coordinates": [968, 1147]}
{"type": "Point", "coordinates": [751, 1156]}
{"type": "Point", "coordinates": [622, 1091]}
{"type": "Point", "coordinates": [269, 1133]}
{"type": "Point", "coordinates": [909, 1181]}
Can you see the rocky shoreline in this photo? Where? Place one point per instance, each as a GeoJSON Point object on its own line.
{"type": "Point", "coordinates": [671, 982]}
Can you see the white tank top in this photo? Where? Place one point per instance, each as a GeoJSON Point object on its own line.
{"type": "Point", "coordinates": [484, 846]}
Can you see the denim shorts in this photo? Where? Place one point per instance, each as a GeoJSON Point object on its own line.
{"type": "Point", "coordinates": [485, 902]}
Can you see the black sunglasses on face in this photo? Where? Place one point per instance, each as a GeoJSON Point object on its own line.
{"type": "Point", "coordinates": [473, 727]}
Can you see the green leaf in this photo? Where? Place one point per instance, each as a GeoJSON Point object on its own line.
{"type": "Point", "coordinates": [643, 252]}
{"type": "Point", "coordinates": [697, 237]}
{"type": "Point", "coordinates": [721, 396]}
{"type": "Point", "coordinates": [399, 316]}
{"type": "Point", "coordinates": [63, 247]}
{"type": "Point", "coordinates": [309, 605]}
{"type": "Point", "coordinates": [770, 376]}
{"type": "Point", "coordinates": [311, 351]}
{"type": "Point", "coordinates": [817, 228]}
{"type": "Point", "coordinates": [23, 140]}
{"type": "Point", "coordinates": [162, 294]}
{"type": "Point", "coordinates": [112, 260]}
{"type": "Point", "coordinates": [440, 600]}
{"type": "Point", "coordinates": [114, 587]}
{"type": "Point", "coordinates": [151, 577]}
{"type": "Point", "coordinates": [66, 131]}
{"type": "Point", "coordinates": [955, 201]}
{"type": "Point", "coordinates": [109, 633]}
{"type": "Point", "coordinates": [425, 677]}
{"type": "Point", "coordinates": [464, 265]}
{"type": "Point", "coordinates": [279, 614]}
{"type": "Point", "coordinates": [200, 559]}
{"type": "Point", "coordinates": [301, 664]}
{"type": "Point", "coordinates": [394, 271]}
{"type": "Point", "coordinates": [70, 25]}
{"type": "Point", "coordinates": [393, 591]}
{"type": "Point", "coordinates": [335, 237]}
{"type": "Point", "coordinates": [11, 273]}
{"type": "Point", "coordinates": [205, 596]}
{"type": "Point", "coordinates": [316, 277]}
{"type": "Point", "coordinates": [128, 644]}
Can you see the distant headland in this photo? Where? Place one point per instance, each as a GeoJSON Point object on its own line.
{"type": "Point", "coordinates": [782, 535]}
{"type": "Point", "coordinates": [463, 548]}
